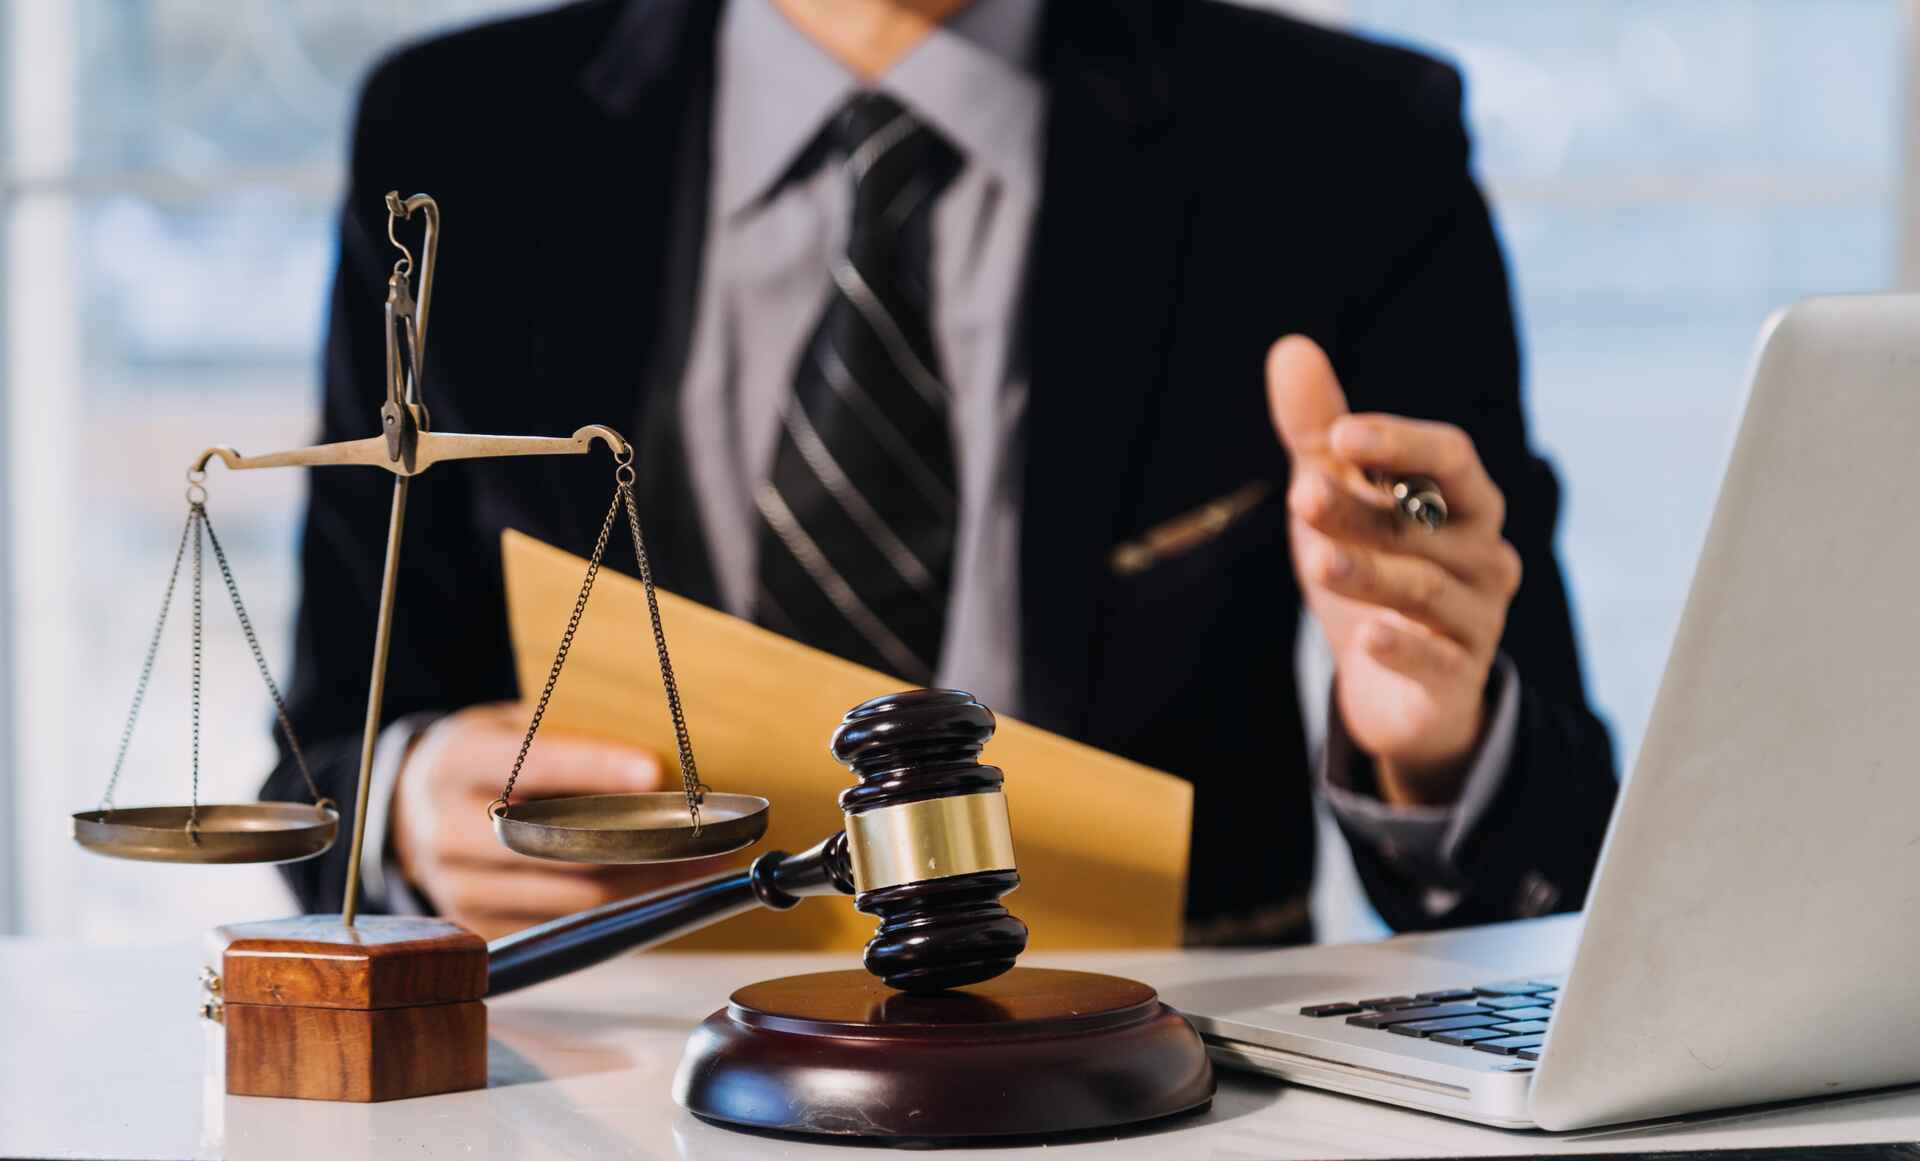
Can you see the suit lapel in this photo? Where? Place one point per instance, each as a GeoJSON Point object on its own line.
{"type": "Point", "coordinates": [1106, 249]}
{"type": "Point", "coordinates": [625, 230]}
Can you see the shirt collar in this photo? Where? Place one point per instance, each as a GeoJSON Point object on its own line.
{"type": "Point", "coordinates": [971, 79]}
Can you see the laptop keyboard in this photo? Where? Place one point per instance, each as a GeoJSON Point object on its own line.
{"type": "Point", "coordinates": [1505, 1019]}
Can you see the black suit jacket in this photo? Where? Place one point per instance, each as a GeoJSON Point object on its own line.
{"type": "Point", "coordinates": [1213, 178]}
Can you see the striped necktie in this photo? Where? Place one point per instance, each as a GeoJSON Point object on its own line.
{"type": "Point", "coordinates": [857, 516]}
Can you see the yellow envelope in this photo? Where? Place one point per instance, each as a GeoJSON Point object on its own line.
{"type": "Point", "coordinates": [1101, 841]}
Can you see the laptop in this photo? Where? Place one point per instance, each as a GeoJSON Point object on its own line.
{"type": "Point", "coordinates": [1753, 929]}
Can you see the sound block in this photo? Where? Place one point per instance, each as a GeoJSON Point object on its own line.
{"type": "Point", "coordinates": [1031, 1052]}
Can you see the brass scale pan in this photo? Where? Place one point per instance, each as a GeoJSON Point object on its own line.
{"type": "Point", "coordinates": [630, 828]}
{"type": "Point", "coordinates": [250, 832]}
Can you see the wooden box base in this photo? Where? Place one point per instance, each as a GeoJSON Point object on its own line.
{"type": "Point", "coordinates": [388, 1008]}
{"type": "Point", "coordinates": [330, 1054]}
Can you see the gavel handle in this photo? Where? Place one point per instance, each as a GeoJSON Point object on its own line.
{"type": "Point", "coordinates": [567, 944]}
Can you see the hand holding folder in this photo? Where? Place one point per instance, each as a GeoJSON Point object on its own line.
{"type": "Point", "coordinates": [1102, 841]}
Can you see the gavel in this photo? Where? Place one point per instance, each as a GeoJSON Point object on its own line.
{"type": "Point", "coordinates": [927, 848]}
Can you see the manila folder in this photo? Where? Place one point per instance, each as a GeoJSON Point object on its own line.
{"type": "Point", "coordinates": [1101, 841]}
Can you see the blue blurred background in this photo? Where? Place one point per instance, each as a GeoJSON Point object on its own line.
{"type": "Point", "coordinates": [1665, 173]}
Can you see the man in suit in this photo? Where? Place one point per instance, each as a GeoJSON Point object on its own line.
{"type": "Point", "coordinates": [942, 329]}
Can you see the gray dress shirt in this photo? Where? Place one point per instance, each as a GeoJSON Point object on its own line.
{"type": "Point", "coordinates": [764, 283]}
{"type": "Point", "coordinates": [768, 248]}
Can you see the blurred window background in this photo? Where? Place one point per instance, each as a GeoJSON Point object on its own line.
{"type": "Point", "coordinates": [1665, 173]}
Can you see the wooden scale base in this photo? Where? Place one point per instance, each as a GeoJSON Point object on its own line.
{"type": "Point", "coordinates": [1031, 1052]}
{"type": "Point", "coordinates": [387, 1008]}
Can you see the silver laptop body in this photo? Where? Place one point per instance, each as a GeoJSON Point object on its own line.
{"type": "Point", "coordinates": [1753, 931]}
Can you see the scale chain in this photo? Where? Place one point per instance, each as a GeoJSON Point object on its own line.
{"type": "Point", "coordinates": [198, 522]}
{"type": "Point", "coordinates": [199, 516]}
{"type": "Point", "coordinates": [260, 660]}
{"type": "Point", "coordinates": [560, 657]}
{"type": "Point", "coordinates": [146, 667]}
{"type": "Point", "coordinates": [689, 775]}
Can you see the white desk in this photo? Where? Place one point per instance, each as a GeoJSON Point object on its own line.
{"type": "Point", "coordinates": [102, 1055]}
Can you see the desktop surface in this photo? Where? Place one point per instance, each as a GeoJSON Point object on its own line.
{"type": "Point", "coordinates": [106, 1057]}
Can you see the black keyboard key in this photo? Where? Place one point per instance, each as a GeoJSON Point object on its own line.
{"type": "Point", "coordinates": [1500, 1003]}
{"type": "Point", "coordinates": [1448, 996]}
{"type": "Point", "coordinates": [1528, 1054]}
{"type": "Point", "coordinates": [1406, 1015]}
{"type": "Point", "coordinates": [1544, 985]}
{"type": "Point", "coordinates": [1515, 988]}
{"type": "Point", "coordinates": [1318, 1010]}
{"type": "Point", "coordinates": [1387, 1003]}
{"type": "Point", "coordinates": [1527, 1013]}
{"type": "Point", "coordinates": [1466, 1036]}
{"type": "Point", "coordinates": [1523, 1027]}
{"type": "Point", "coordinates": [1508, 1045]}
{"type": "Point", "coordinates": [1444, 1024]}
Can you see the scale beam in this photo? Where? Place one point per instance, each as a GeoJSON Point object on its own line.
{"type": "Point", "coordinates": [429, 448]}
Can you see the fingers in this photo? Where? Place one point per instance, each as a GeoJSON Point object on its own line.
{"type": "Point", "coordinates": [1416, 447]}
{"type": "Point", "coordinates": [1303, 395]}
{"type": "Point", "coordinates": [523, 891]}
{"type": "Point", "coordinates": [1417, 588]}
{"type": "Point", "coordinates": [1364, 515]}
{"type": "Point", "coordinates": [560, 765]}
{"type": "Point", "coordinates": [1433, 662]}
{"type": "Point", "coordinates": [1310, 414]}
{"type": "Point", "coordinates": [461, 834]}
{"type": "Point", "coordinates": [481, 752]}
{"type": "Point", "coordinates": [557, 764]}
{"type": "Point", "coordinates": [439, 828]}
{"type": "Point", "coordinates": [497, 901]}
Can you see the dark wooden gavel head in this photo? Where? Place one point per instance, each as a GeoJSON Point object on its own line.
{"type": "Point", "coordinates": [929, 840]}
{"type": "Point", "coordinates": [927, 848]}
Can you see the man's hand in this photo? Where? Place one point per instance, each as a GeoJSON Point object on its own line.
{"type": "Point", "coordinates": [444, 841]}
{"type": "Point", "coordinates": [1414, 618]}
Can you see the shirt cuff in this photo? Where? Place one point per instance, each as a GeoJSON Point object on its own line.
{"type": "Point", "coordinates": [1422, 836]}
{"type": "Point", "coordinates": [381, 883]}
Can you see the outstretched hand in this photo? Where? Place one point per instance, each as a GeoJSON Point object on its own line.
{"type": "Point", "coordinates": [1414, 617]}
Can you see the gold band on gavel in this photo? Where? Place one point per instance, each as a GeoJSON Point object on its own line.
{"type": "Point", "coordinates": [930, 839]}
